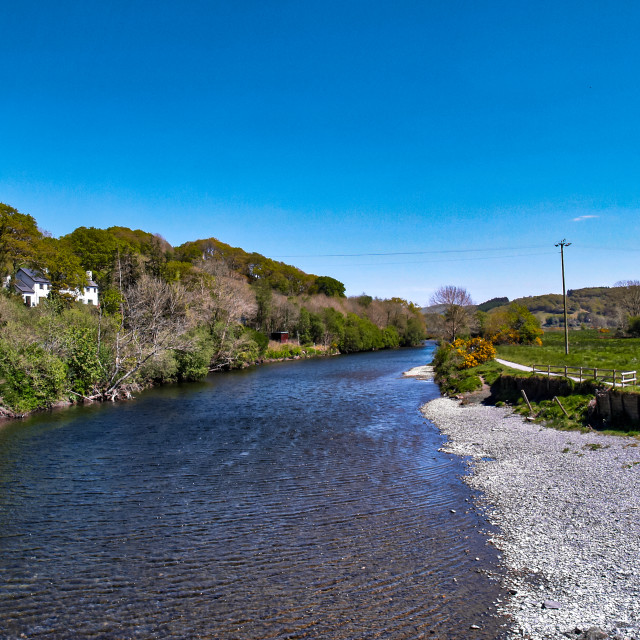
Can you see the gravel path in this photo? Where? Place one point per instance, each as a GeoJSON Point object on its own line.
{"type": "Point", "coordinates": [567, 506]}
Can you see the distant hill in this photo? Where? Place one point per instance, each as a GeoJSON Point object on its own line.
{"type": "Point", "coordinates": [493, 303]}
{"type": "Point", "coordinates": [485, 306]}
{"type": "Point", "coordinates": [591, 306]}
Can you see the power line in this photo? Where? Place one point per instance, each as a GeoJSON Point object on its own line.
{"type": "Point", "coordinates": [403, 253]}
{"type": "Point", "coordinates": [384, 264]}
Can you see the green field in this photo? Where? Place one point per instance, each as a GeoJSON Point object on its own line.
{"type": "Point", "coordinates": [586, 349]}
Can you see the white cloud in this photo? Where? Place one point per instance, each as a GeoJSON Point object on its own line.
{"type": "Point", "coordinates": [581, 218]}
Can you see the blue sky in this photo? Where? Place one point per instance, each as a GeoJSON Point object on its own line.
{"type": "Point", "coordinates": [460, 140]}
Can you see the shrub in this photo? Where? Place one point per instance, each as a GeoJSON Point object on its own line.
{"type": "Point", "coordinates": [84, 368]}
{"type": "Point", "coordinates": [514, 325]}
{"type": "Point", "coordinates": [467, 384]}
{"type": "Point", "coordinates": [30, 378]}
{"type": "Point", "coordinates": [634, 326]}
{"type": "Point", "coordinates": [474, 351]}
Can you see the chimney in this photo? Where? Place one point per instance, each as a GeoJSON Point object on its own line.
{"type": "Point", "coordinates": [89, 275]}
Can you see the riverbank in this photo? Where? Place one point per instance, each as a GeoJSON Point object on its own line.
{"type": "Point", "coordinates": [567, 506]}
{"type": "Point", "coordinates": [7, 415]}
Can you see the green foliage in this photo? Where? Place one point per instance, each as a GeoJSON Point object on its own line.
{"type": "Point", "coordinates": [549, 412]}
{"type": "Point", "coordinates": [513, 325]}
{"type": "Point", "coordinates": [586, 348]}
{"type": "Point", "coordinates": [634, 326]}
{"type": "Point", "coordinates": [284, 351]}
{"type": "Point", "coordinates": [161, 369]}
{"type": "Point", "coordinates": [193, 363]}
{"type": "Point", "coordinates": [173, 271]}
{"type": "Point", "coordinates": [304, 327]}
{"type": "Point", "coordinates": [329, 286]}
{"type": "Point", "coordinates": [167, 314]}
{"type": "Point", "coordinates": [390, 337]}
{"type": "Point", "coordinates": [264, 300]}
{"type": "Point", "coordinates": [64, 268]}
{"type": "Point", "coordinates": [493, 303]}
{"type": "Point", "coordinates": [84, 369]}
{"type": "Point", "coordinates": [467, 383]}
{"type": "Point", "coordinates": [414, 332]}
{"type": "Point", "coordinates": [334, 326]}
{"type": "Point", "coordinates": [258, 337]}
{"type": "Point", "coordinates": [30, 378]}
{"type": "Point", "coordinates": [453, 378]}
{"type": "Point", "coordinates": [112, 300]}
{"type": "Point", "coordinates": [19, 239]}
{"type": "Point", "coordinates": [360, 334]}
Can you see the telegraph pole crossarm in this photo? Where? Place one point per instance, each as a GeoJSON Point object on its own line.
{"type": "Point", "coordinates": [562, 244]}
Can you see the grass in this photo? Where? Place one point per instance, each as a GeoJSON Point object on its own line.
{"type": "Point", "coordinates": [587, 348]}
{"type": "Point", "coordinates": [549, 413]}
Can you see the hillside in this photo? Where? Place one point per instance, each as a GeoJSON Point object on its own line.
{"type": "Point", "coordinates": [163, 313]}
{"type": "Point", "coordinates": [590, 307]}
{"type": "Point", "coordinates": [594, 307]}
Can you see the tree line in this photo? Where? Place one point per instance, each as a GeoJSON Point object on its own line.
{"type": "Point", "coordinates": [166, 314]}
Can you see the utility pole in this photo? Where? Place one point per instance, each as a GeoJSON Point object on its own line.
{"type": "Point", "coordinates": [562, 244]}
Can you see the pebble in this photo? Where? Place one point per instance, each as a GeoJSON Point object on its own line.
{"type": "Point", "coordinates": [567, 517]}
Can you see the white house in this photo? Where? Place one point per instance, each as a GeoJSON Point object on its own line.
{"type": "Point", "coordinates": [34, 286]}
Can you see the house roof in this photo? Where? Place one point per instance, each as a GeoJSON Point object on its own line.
{"type": "Point", "coordinates": [21, 287]}
{"type": "Point", "coordinates": [38, 277]}
{"type": "Point", "coordinates": [34, 275]}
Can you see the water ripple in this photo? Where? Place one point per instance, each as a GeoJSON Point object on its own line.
{"type": "Point", "coordinates": [305, 500]}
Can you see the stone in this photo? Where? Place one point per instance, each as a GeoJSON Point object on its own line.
{"type": "Point", "coordinates": [594, 633]}
{"type": "Point", "coordinates": [551, 604]}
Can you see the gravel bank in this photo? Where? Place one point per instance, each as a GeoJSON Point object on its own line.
{"type": "Point", "coordinates": [568, 510]}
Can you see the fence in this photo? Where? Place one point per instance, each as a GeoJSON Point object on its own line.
{"type": "Point", "coordinates": [612, 377]}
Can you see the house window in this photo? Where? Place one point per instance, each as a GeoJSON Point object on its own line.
{"type": "Point", "coordinates": [41, 286]}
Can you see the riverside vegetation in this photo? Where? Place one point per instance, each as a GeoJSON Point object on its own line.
{"type": "Point", "coordinates": [465, 364]}
{"type": "Point", "coordinates": [166, 314]}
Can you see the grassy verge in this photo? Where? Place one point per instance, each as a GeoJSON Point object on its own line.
{"type": "Point", "coordinates": [578, 405]}
{"type": "Point", "coordinates": [586, 349]}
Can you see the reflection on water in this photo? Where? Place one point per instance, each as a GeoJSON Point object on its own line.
{"type": "Point", "coordinates": [296, 500]}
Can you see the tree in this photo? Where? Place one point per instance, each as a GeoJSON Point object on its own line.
{"type": "Point", "coordinates": [63, 268]}
{"type": "Point", "coordinates": [456, 316]}
{"type": "Point", "coordinates": [629, 296]}
{"type": "Point", "coordinates": [329, 286]}
{"type": "Point", "coordinates": [19, 239]}
{"type": "Point", "coordinates": [154, 319]}
{"type": "Point", "coordinates": [513, 325]}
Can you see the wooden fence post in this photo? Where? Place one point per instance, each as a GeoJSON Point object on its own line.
{"type": "Point", "coordinates": [560, 405]}
{"type": "Point", "coordinates": [524, 395]}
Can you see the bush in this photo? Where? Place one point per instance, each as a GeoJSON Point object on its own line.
{"type": "Point", "coordinates": [258, 337]}
{"type": "Point", "coordinates": [84, 368]}
{"type": "Point", "coordinates": [514, 325]}
{"type": "Point", "coordinates": [466, 384]}
{"type": "Point", "coordinates": [474, 351]}
{"type": "Point", "coordinates": [30, 378]}
{"type": "Point", "coordinates": [634, 326]}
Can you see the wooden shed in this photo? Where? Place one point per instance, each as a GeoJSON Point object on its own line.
{"type": "Point", "coordinates": [280, 336]}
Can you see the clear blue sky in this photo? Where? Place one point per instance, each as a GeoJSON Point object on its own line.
{"type": "Point", "coordinates": [302, 129]}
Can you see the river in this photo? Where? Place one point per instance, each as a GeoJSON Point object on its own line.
{"type": "Point", "coordinates": [303, 499]}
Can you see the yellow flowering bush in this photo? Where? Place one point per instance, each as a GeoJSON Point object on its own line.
{"type": "Point", "coordinates": [474, 351]}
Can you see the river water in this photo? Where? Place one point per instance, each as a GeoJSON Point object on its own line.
{"type": "Point", "coordinates": [303, 499]}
